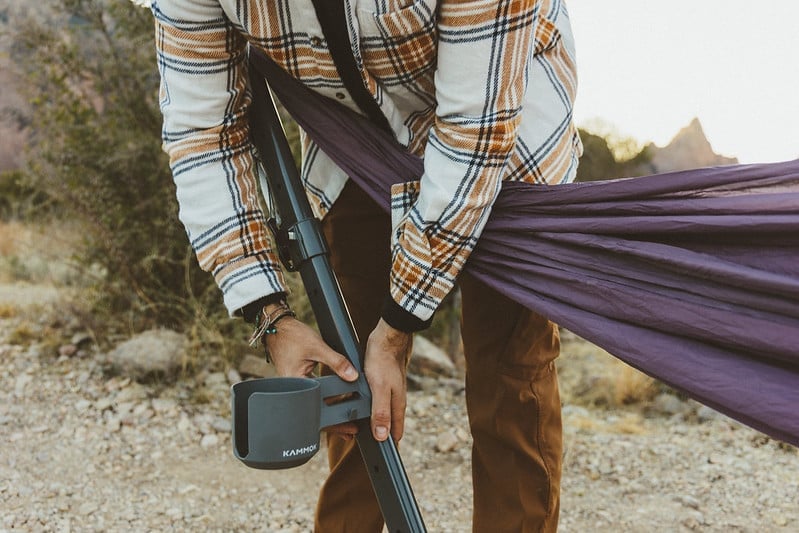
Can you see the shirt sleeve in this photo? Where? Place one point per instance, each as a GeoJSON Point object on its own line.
{"type": "Point", "coordinates": [204, 100]}
{"type": "Point", "coordinates": [484, 50]}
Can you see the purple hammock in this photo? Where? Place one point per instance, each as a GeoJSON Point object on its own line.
{"type": "Point", "coordinates": [691, 277]}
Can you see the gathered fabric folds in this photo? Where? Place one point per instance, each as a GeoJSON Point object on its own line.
{"type": "Point", "coordinates": [691, 277]}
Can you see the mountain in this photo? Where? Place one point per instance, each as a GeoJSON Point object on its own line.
{"type": "Point", "coordinates": [12, 101]}
{"type": "Point", "coordinates": [14, 136]}
{"type": "Point", "coordinates": [688, 149]}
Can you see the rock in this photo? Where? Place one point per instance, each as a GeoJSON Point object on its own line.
{"type": "Point", "coordinates": [216, 379]}
{"type": "Point", "coordinates": [606, 467]}
{"type": "Point", "coordinates": [20, 383]}
{"type": "Point", "coordinates": [446, 442]}
{"type": "Point", "coordinates": [209, 441]}
{"type": "Point", "coordinates": [255, 366]}
{"type": "Point", "coordinates": [80, 338]}
{"type": "Point", "coordinates": [174, 513]}
{"type": "Point", "coordinates": [158, 352]}
{"type": "Point", "coordinates": [187, 489]}
{"type": "Point", "coordinates": [143, 409]}
{"type": "Point", "coordinates": [103, 403]}
{"type": "Point", "coordinates": [706, 414]}
{"type": "Point", "coordinates": [184, 424]}
{"type": "Point", "coordinates": [429, 360]}
{"type": "Point", "coordinates": [668, 404]}
{"type": "Point", "coordinates": [463, 435]}
{"type": "Point", "coordinates": [131, 394]}
{"type": "Point", "coordinates": [688, 501]}
{"type": "Point", "coordinates": [114, 424]}
{"type": "Point", "coordinates": [694, 520]}
{"type": "Point", "coordinates": [203, 422]}
{"type": "Point", "coordinates": [233, 376]}
{"type": "Point", "coordinates": [778, 518]}
{"type": "Point", "coordinates": [575, 411]}
{"type": "Point", "coordinates": [162, 405]}
{"type": "Point", "coordinates": [67, 350]}
{"type": "Point", "coordinates": [221, 424]}
{"type": "Point", "coordinates": [691, 523]}
{"type": "Point", "coordinates": [718, 458]}
{"type": "Point", "coordinates": [87, 508]}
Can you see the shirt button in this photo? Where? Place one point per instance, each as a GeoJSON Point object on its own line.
{"type": "Point", "coordinates": [341, 96]}
{"type": "Point", "coordinates": [316, 41]}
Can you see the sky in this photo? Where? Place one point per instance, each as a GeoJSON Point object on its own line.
{"type": "Point", "coordinates": [648, 67]}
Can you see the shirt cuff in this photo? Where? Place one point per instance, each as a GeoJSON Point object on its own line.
{"type": "Point", "coordinates": [399, 318]}
{"type": "Point", "coordinates": [250, 311]}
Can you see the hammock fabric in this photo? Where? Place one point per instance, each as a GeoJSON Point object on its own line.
{"type": "Point", "coordinates": [691, 277]}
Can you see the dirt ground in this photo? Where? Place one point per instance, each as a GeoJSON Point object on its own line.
{"type": "Point", "coordinates": [84, 451]}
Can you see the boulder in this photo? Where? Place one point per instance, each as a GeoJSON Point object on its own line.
{"type": "Point", "coordinates": [256, 367]}
{"type": "Point", "coordinates": [430, 360]}
{"type": "Point", "coordinates": [154, 353]}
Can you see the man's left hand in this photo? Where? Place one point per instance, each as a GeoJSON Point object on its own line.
{"type": "Point", "coordinates": [387, 353]}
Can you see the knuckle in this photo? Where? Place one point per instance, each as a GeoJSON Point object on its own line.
{"type": "Point", "coordinates": [376, 380]}
{"type": "Point", "coordinates": [381, 414]}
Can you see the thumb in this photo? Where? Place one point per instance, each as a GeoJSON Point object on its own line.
{"type": "Point", "coordinates": [339, 364]}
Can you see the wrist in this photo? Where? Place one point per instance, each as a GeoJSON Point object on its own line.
{"type": "Point", "coordinates": [400, 319]}
{"type": "Point", "coordinates": [252, 310]}
{"type": "Point", "coordinates": [391, 333]}
{"type": "Point", "coordinates": [268, 318]}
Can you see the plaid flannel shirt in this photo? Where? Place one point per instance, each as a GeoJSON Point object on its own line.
{"type": "Point", "coordinates": [482, 89]}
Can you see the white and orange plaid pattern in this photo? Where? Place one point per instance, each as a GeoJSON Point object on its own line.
{"type": "Point", "coordinates": [483, 89]}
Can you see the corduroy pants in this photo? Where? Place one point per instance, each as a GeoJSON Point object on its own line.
{"type": "Point", "coordinates": [511, 390]}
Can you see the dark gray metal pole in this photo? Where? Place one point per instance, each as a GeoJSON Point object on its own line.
{"type": "Point", "coordinates": [308, 254]}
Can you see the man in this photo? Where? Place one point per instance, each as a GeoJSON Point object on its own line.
{"type": "Point", "coordinates": [484, 91]}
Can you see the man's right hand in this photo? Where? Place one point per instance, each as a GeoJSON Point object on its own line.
{"type": "Point", "coordinates": [296, 349]}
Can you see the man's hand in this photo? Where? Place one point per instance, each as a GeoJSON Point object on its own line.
{"type": "Point", "coordinates": [295, 351]}
{"type": "Point", "coordinates": [387, 353]}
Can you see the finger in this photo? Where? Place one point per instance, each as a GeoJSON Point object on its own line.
{"type": "Point", "coordinates": [381, 410]}
{"type": "Point", "coordinates": [398, 404]}
{"type": "Point", "coordinates": [289, 367]}
{"type": "Point", "coordinates": [338, 363]}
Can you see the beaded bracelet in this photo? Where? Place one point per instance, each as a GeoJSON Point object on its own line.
{"type": "Point", "coordinates": [266, 322]}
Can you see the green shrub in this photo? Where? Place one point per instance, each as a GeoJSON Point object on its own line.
{"type": "Point", "coordinates": [96, 153]}
{"type": "Point", "coordinates": [18, 199]}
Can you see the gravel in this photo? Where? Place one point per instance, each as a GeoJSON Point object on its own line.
{"type": "Point", "coordinates": [83, 451]}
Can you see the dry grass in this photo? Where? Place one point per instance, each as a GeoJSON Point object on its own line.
{"type": "Point", "coordinates": [632, 387]}
{"type": "Point", "coordinates": [23, 334]}
{"type": "Point", "coordinates": [10, 236]}
{"type": "Point", "coordinates": [590, 376]}
{"type": "Point", "coordinates": [630, 424]}
{"type": "Point", "coordinates": [8, 310]}
{"type": "Point", "coordinates": [38, 253]}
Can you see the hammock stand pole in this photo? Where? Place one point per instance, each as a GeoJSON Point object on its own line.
{"type": "Point", "coordinates": [304, 249]}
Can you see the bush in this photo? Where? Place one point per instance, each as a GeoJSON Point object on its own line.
{"type": "Point", "coordinates": [90, 71]}
{"type": "Point", "coordinates": [18, 199]}
{"type": "Point", "coordinates": [608, 154]}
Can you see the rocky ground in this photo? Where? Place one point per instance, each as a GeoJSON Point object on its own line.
{"type": "Point", "coordinates": [81, 450]}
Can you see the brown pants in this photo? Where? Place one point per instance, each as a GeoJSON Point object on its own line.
{"type": "Point", "coordinates": [511, 390]}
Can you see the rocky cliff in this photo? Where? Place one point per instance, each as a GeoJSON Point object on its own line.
{"type": "Point", "coordinates": [688, 149]}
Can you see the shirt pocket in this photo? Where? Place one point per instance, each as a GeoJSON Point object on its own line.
{"type": "Point", "coordinates": [398, 45]}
